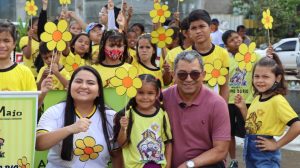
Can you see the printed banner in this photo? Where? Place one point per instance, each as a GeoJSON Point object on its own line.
{"type": "Point", "coordinates": [18, 118]}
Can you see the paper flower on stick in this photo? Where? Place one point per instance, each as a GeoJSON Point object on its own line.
{"type": "Point", "coordinates": [215, 73]}
{"type": "Point", "coordinates": [246, 56]}
{"type": "Point", "coordinates": [161, 37]}
{"type": "Point", "coordinates": [31, 8]}
{"type": "Point", "coordinates": [56, 36]}
{"type": "Point", "coordinates": [87, 149]}
{"type": "Point", "coordinates": [23, 162]}
{"type": "Point", "coordinates": [73, 62]}
{"type": "Point", "coordinates": [126, 81]}
{"type": "Point", "coordinates": [159, 13]}
{"type": "Point", "coordinates": [267, 19]}
{"type": "Point", "coordinates": [65, 2]}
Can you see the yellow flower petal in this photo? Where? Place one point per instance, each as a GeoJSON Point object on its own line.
{"type": "Point", "coordinates": [242, 65]}
{"type": "Point", "coordinates": [169, 32]}
{"type": "Point", "coordinates": [161, 30]}
{"type": "Point", "coordinates": [77, 59]}
{"type": "Point", "coordinates": [157, 6]}
{"type": "Point", "coordinates": [98, 148]}
{"type": "Point", "coordinates": [252, 47]}
{"type": "Point", "coordinates": [121, 73]}
{"type": "Point", "coordinates": [153, 13]}
{"type": "Point", "coordinates": [212, 82]}
{"type": "Point", "coordinates": [89, 141]}
{"type": "Point", "coordinates": [20, 162]}
{"type": "Point", "coordinates": [68, 67]}
{"type": "Point", "coordinates": [208, 68]}
{"type": "Point", "coordinates": [168, 40]}
{"type": "Point", "coordinates": [217, 64]}
{"type": "Point", "coordinates": [24, 160]}
{"type": "Point", "coordinates": [80, 144]}
{"type": "Point", "coordinates": [67, 36]}
{"type": "Point", "coordinates": [84, 158]}
{"type": "Point", "coordinates": [132, 72]}
{"type": "Point", "coordinates": [243, 49]}
{"type": "Point", "coordinates": [154, 40]}
{"type": "Point", "coordinates": [268, 12]}
{"type": "Point", "coordinates": [46, 37]}
{"type": "Point", "coordinates": [137, 83]}
{"type": "Point", "coordinates": [121, 90]}
{"type": "Point", "coordinates": [161, 44]}
{"type": "Point", "coordinates": [162, 19]}
{"type": "Point", "coordinates": [167, 14]}
{"type": "Point", "coordinates": [155, 19]}
{"type": "Point", "coordinates": [78, 152]}
{"type": "Point", "coordinates": [61, 45]}
{"type": "Point", "coordinates": [223, 71]}
{"type": "Point", "coordinates": [94, 156]}
{"type": "Point", "coordinates": [253, 57]}
{"type": "Point", "coordinates": [115, 81]}
{"type": "Point", "coordinates": [154, 34]}
{"type": "Point", "coordinates": [221, 80]}
{"type": "Point", "coordinates": [207, 77]}
{"type": "Point", "coordinates": [51, 45]}
{"type": "Point", "coordinates": [131, 92]}
{"type": "Point", "coordinates": [248, 67]}
{"type": "Point", "coordinates": [164, 7]}
{"type": "Point", "coordinates": [50, 27]}
{"type": "Point", "coordinates": [239, 57]}
{"type": "Point", "coordinates": [62, 26]}
{"type": "Point", "coordinates": [27, 165]}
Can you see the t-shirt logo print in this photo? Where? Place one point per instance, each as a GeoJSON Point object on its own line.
{"type": "Point", "coordinates": [86, 149]}
{"type": "Point", "coordinates": [252, 125]}
{"type": "Point", "coordinates": [150, 147]}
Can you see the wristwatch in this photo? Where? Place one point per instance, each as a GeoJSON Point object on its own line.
{"type": "Point", "coordinates": [190, 164]}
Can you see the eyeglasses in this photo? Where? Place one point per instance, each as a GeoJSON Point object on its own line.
{"type": "Point", "coordinates": [183, 75]}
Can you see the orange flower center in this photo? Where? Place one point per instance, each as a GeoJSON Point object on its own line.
{"type": "Point", "coordinates": [160, 12]}
{"type": "Point", "coordinates": [57, 36]}
{"type": "Point", "coordinates": [268, 19]}
{"type": "Point", "coordinates": [88, 150]}
{"type": "Point", "coordinates": [127, 82]}
{"type": "Point", "coordinates": [31, 8]}
{"type": "Point", "coordinates": [247, 57]}
{"type": "Point", "coordinates": [215, 73]}
{"type": "Point", "coordinates": [162, 37]}
{"type": "Point", "coordinates": [75, 66]}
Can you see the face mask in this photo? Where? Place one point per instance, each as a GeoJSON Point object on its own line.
{"type": "Point", "coordinates": [114, 54]}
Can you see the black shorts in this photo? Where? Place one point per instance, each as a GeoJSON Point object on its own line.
{"type": "Point", "coordinates": [237, 121]}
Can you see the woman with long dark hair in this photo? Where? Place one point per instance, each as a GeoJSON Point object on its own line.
{"type": "Point", "coordinates": [78, 132]}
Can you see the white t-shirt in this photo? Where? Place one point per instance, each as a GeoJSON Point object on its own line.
{"type": "Point", "coordinates": [216, 38]}
{"type": "Point", "coordinates": [90, 148]}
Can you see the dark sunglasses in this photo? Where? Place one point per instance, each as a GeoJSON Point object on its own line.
{"type": "Point", "coordinates": [183, 75]}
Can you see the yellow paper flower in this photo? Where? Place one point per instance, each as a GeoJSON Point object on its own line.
{"type": "Point", "coordinates": [64, 2]}
{"type": "Point", "coordinates": [267, 19]}
{"type": "Point", "coordinates": [87, 149]}
{"type": "Point", "coordinates": [56, 36]}
{"type": "Point", "coordinates": [73, 62]}
{"type": "Point", "coordinates": [31, 8]}
{"type": "Point", "coordinates": [159, 13]}
{"type": "Point", "coordinates": [126, 81]}
{"type": "Point", "coordinates": [22, 163]}
{"type": "Point", "coordinates": [246, 56]}
{"type": "Point", "coordinates": [161, 37]}
{"type": "Point", "coordinates": [215, 73]}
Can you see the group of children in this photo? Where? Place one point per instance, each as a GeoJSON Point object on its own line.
{"type": "Point", "coordinates": [257, 116]}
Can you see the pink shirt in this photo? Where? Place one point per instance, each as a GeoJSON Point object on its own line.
{"type": "Point", "coordinates": [195, 127]}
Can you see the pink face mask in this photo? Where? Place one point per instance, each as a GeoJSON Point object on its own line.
{"type": "Point", "coordinates": [114, 54]}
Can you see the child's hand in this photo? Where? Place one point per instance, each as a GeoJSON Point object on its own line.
{"type": "Point", "coordinates": [30, 33]}
{"type": "Point", "coordinates": [110, 5]}
{"type": "Point", "coordinates": [72, 14]}
{"type": "Point", "coordinates": [176, 16]}
{"type": "Point", "coordinates": [166, 67]}
{"type": "Point", "coordinates": [82, 125]}
{"type": "Point", "coordinates": [45, 4]}
{"type": "Point", "coordinates": [46, 84]}
{"type": "Point", "coordinates": [265, 144]}
{"type": "Point", "coordinates": [239, 101]}
{"type": "Point", "coordinates": [124, 122]}
{"type": "Point", "coordinates": [45, 73]}
{"type": "Point", "coordinates": [121, 20]}
{"type": "Point", "coordinates": [130, 11]}
{"type": "Point", "coordinates": [55, 69]}
{"type": "Point", "coordinates": [270, 50]}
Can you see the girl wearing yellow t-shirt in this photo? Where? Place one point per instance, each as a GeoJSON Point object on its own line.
{"type": "Point", "coordinates": [146, 56]}
{"type": "Point", "coordinates": [268, 115]}
{"type": "Point", "coordinates": [30, 45]}
{"type": "Point", "coordinates": [112, 55]}
{"type": "Point", "coordinates": [144, 131]}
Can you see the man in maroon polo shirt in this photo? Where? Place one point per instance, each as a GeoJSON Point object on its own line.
{"type": "Point", "coordinates": [199, 117]}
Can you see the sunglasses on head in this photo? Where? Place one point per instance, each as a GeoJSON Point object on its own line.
{"type": "Point", "coordinates": [183, 75]}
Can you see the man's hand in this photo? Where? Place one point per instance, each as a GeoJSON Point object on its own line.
{"type": "Point", "coordinates": [45, 4]}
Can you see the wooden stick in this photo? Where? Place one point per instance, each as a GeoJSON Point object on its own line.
{"type": "Point", "coordinates": [178, 2]}
{"type": "Point", "coordinates": [269, 39]}
{"type": "Point", "coordinates": [52, 58]}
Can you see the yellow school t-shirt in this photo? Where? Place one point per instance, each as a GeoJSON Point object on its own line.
{"type": "Point", "coordinates": [147, 139]}
{"type": "Point", "coordinates": [57, 85]}
{"type": "Point", "coordinates": [108, 71]}
{"type": "Point", "coordinates": [95, 53]}
{"type": "Point", "coordinates": [269, 116]}
{"type": "Point", "coordinates": [143, 69]}
{"type": "Point", "coordinates": [132, 54]}
{"type": "Point", "coordinates": [172, 54]}
{"type": "Point", "coordinates": [17, 78]}
{"type": "Point", "coordinates": [34, 53]}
